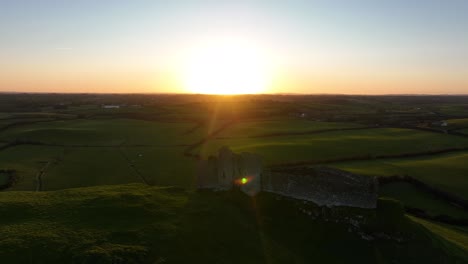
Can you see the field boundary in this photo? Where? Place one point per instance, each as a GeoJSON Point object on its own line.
{"type": "Point", "coordinates": [372, 157]}
{"type": "Point", "coordinates": [447, 132]}
{"type": "Point", "coordinates": [40, 143]}
{"type": "Point", "coordinates": [23, 123]}
{"type": "Point", "coordinates": [134, 168]}
{"type": "Point", "coordinates": [42, 172]}
{"type": "Point", "coordinates": [308, 132]}
{"type": "Point", "coordinates": [190, 148]}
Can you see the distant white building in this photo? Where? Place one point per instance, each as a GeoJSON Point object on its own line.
{"type": "Point", "coordinates": [110, 106]}
{"type": "Point", "coordinates": [440, 123]}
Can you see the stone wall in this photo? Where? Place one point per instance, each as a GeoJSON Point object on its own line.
{"type": "Point", "coordinates": [323, 186]}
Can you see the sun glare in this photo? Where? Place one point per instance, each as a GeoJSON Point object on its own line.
{"type": "Point", "coordinates": [226, 67]}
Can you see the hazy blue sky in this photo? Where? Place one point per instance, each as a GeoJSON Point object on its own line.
{"type": "Point", "coordinates": [418, 46]}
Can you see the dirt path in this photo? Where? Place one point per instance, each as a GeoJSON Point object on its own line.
{"type": "Point", "coordinates": [197, 126]}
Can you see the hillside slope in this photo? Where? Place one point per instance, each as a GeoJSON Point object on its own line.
{"type": "Point", "coordinates": [139, 224]}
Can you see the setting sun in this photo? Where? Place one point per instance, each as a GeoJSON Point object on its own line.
{"type": "Point", "coordinates": [226, 67]}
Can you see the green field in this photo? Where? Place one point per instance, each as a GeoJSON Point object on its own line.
{"type": "Point", "coordinates": [415, 198]}
{"type": "Point", "coordinates": [140, 224]}
{"type": "Point", "coordinates": [163, 166]}
{"type": "Point", "coordinates": [454, 123]}
{"type": "Point", "coordinates": [454, 109]}
{"type": "Point", "coordinates": [447, 172]}
{"type": "Point", "coordinates": [104, 132]}
{"type": "Point", "coordinates": [78, 167]}
{"type": "Point", "coordinates": [262, 128]}
{"type": "Point", "coordinates": [10, 121]}
{"type": "Point", "coordinates": [340, 144]}
{"type": "Point", "coordinates": [91, 152]}
{"type": "Point", "coordinates": [90, 166]}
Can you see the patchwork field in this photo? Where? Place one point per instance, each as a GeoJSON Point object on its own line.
{"type": "Point", "coordinates": [257, 128]}
{"type": "Point", "coordinates": [104, 132]}
{"type": "Point", "coordinates": [122, 153]}
{"type": "Point", "coordinates": [76, 153]}
{"type": "Point", "coordinates": [339, 144]}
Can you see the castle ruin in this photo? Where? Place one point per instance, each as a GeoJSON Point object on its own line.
{"type": "Point", "coordinates": [230, 170]}
{"type": "Point", "coordinates": [322, 185]}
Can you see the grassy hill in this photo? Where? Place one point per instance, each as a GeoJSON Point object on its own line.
{"type": "Point", "coordinates": [139, 224]}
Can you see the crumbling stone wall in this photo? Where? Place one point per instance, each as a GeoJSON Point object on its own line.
{"type": "Point", "coordinates": [227, 168]}
{"type": "Point", "coordinates": [321, 185]}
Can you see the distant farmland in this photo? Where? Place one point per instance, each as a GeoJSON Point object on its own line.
{"type": "Point", "coordinates": [158, 144]}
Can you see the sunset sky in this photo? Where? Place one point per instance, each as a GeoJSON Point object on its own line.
{"type": "Point", "coordinates": [349, 47]}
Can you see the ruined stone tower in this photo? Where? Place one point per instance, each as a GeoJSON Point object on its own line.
{"type": "Point", "coordinates": [230, 170]}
